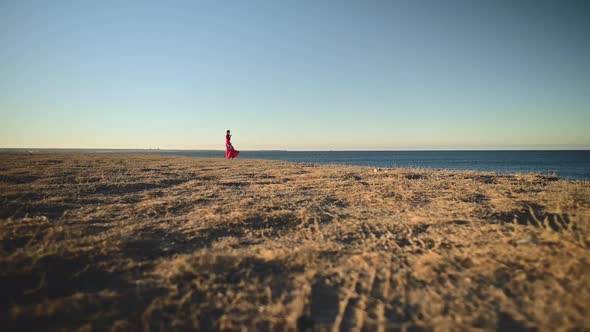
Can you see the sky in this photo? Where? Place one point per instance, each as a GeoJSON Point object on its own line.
{"type": "Point", "coordinates": [296, 75]}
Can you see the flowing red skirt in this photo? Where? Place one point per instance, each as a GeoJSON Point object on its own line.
{"type": "Point", "coordinates": [231, 153]}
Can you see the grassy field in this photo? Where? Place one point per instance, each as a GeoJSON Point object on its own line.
{"type": "Point", "coordinates": [170, 243]}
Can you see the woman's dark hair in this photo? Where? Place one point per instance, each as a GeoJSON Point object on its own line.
{"type": "Point", "coordinates": [227, 131]}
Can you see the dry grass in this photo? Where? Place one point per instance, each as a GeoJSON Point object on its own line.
{"type": "Point", "coordinates": [170, 243]}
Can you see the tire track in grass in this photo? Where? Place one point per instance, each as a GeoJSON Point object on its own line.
{"type": "Point", "coordinates": [376, 319]}
{"type": "Point", "coordinates": [355, 313]}
{"type": "Point", "coordinates": [347, 294]}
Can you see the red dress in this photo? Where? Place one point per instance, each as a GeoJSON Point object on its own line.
{"type": "Point", "coordinates": [230, 152]}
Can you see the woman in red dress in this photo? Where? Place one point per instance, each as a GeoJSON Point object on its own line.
{"type": "Point", "coordinates": [230, 152]}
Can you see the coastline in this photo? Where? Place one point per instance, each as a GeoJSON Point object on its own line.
{"type": "Point", "coordinates": [145, 241]}
{"type": "Point", "coordinates": [566, 164]}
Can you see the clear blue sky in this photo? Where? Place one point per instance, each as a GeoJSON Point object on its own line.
{"type": "Point", "coordinates": [306, 75]}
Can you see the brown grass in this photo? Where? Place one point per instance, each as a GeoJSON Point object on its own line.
{"type": "Point", "coordinates": [169, 243]}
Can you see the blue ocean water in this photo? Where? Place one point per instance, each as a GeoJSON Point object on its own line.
{"type": "Point", "coordinates": [565, 164]}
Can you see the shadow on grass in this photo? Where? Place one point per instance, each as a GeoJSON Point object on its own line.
{"type": "Point", "coordinates": [251, 227]}
{"type": "Point", "coordinates": [18, 179]}
{"type": "Point", "coordinates": [59, 293]}
{"type": "Point", "coordinates": [534, 215]}
{"type": "Point", "coordinates": [20, 209]}
{"type": "Point", "coordinates": [127, 188]}
{"type": "Point", "coordinates": [221, 277]}
{"type": "Point", "coordinates": [152, 243]}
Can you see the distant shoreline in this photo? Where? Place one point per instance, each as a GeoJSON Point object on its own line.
{"type": "Point", "coordinates": [24, 150]}
{"type": "Point", "coordinates": [567, 164]}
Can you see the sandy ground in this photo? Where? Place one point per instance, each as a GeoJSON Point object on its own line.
{"type": "Point", "coordinates": [177, 244]}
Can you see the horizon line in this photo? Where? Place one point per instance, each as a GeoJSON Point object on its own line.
{"type": "Point", "coordinates": [301, 150]}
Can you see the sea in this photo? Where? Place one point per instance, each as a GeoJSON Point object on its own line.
{"type": "Point", "coordinates": [566, 164]}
